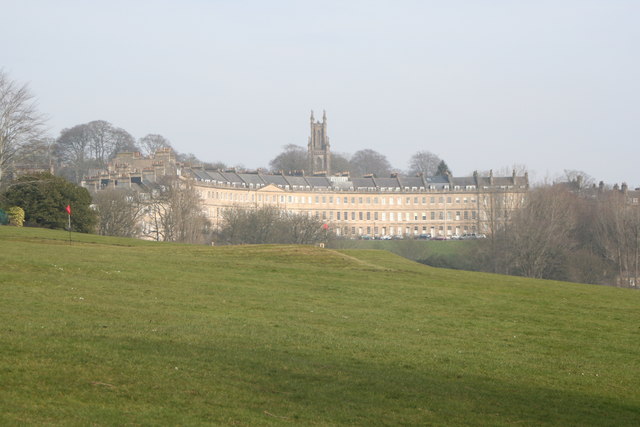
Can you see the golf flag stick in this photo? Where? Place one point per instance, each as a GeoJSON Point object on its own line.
{"type": "Point", "coordinates": [68, 209]}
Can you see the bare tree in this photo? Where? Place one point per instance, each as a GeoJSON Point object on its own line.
{"type": "Point", "coordinates": [72, 151]}
{"type": "Point", "coordinates": [339, 162]}
{"type": "Point", "coordinates": [579, 180]}
{"type": "Point", "coordinates": [107, 140]}
{"type": "Point", "coordinates": [618, 235]}
{"type": "Point", "coordinates": [424, 162]}
{"type": "Point", "coordinates": [269, 224]}
{"type": "Point", "coordinates": [175, 213]}
{"type": "Point", "coordinates": [36, 154]}
{"type": "Point", "coordinates": [91, 145]}
{"type": "Point", "coordinates": [20, 121]}
{"type": "Point", "coordinates": [152, 143]}
{"type": "Point", "coordinates": [119, 212]}
{"type": "Point", "coordinates": [293, 158]}
{"type": "Point", "coordinates": [368, 161]}
{"type": "Point", "coordinates": [541, 234]}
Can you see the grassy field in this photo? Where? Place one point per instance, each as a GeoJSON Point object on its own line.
{"type": "Point", "coordinates": [409, 248]}
{"type": "Point", "coordinates": [109, 331]}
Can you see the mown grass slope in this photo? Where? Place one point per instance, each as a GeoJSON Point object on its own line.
{"type": "Point", "coordinates": [109, 331]}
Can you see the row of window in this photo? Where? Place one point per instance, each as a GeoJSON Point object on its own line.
{"type": "Point", "coordinates": [389, 216]}
{"type": "Point", "coordinates": [353, 200]}
{"type": "Point", "coordinates": [399, 231]}
{"type": "Point", "coordinates": [397, 216]}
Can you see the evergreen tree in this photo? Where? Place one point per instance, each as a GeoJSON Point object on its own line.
{"type": "Point", "coordinates": [43, 197]}
{"type": "Point", "coordinates": [443, 169]}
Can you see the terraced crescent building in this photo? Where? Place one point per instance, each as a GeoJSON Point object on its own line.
{"type": "Point", "coordinates": [351, 206]}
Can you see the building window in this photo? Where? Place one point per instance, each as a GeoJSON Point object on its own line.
{"type": "Point", "coordinates": [324, 199]}
{"type": "Point", "coordinates": [441, 215]}
{"type": "Point", "coordinates": [433, 215]}
{"type": "Point", "coordinates": [353, 216]}
{"type": "Point", "coordinates": [360, 216]}
{"type": "Point", "coordinates": [466, 214]}
{"type": "Point", "coordinates": [368, 216]}
{"type": "Point", "coordinates": [375, 216]}
{"type": "Point", "coordinates": [424, 216]}
{"type": "Point", "coordinates": [375, 200]}
{"type": "Point", "coordinates": [338, 216]}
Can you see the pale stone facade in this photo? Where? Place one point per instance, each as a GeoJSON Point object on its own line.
{"type": "Point", "coordinates": [397, 206]}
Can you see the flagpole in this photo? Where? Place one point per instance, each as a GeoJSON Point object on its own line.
{"type": "Point", "coordinates": [68, 209]}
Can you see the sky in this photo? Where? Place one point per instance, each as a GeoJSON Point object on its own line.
{"type": "Point", "coordinates": [484, 84]}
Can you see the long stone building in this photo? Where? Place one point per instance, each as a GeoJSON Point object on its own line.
{"type": "Point", "coordinates": [394, 206]}
{"type": "Point", "coordinates": [398, 205]}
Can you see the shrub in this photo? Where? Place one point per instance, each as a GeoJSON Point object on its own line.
{"type": "Point", "coordinates": [16, 216]}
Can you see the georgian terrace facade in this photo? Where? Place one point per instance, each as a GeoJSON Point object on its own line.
{"type": "Point", "coordinates": [353, 207]}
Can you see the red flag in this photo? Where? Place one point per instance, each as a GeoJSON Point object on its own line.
{"type": "Point", "coordinates": [68, 208]}
{"type": "Point", "coordinates": [325, 226]}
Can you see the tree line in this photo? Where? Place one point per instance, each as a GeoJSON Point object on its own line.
{"type": "Point", "coordinates": [361, 163]}
{"type": "Point", "coordinates": [560, 232]}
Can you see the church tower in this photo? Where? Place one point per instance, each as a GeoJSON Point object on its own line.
{"type": "Point", "coordinates": [319, 153]}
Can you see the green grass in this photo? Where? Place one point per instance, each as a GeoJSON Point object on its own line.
{"type": "Point", "coordinates": [110, 331]}
{"type": "Point", "coordinates": [412, 249]}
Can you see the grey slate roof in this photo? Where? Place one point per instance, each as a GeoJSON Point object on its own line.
{"type": "Point", "coordinates": [257, 180]}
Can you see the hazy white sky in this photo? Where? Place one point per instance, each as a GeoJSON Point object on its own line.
{"type": "Point", "coordinates": [483, 84]}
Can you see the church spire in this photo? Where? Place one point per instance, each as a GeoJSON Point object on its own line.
{"type": "Point", "coordinates": [319, 151]}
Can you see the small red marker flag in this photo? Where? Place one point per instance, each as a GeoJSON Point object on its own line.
{"type": "Point", "coordinates": [68, 209]}
{"type": "Point", "coordinates": [325, 226]}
